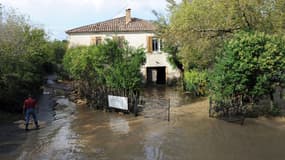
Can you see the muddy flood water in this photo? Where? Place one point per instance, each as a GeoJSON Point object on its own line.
{"type": "Point", "coordinates": [78, 132]}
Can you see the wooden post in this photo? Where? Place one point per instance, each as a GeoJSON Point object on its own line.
{"type": "Point", "coordinates": [136, 106]}
{"type": "Point", "coordinates": [210, 107]}
{"type": "Point", "coordinates": [168, 110]}
{"type": "Point", "coordinates": [281, 92]}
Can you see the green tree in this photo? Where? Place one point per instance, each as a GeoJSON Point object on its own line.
{"type": "Point", "coordinates": [198, 28]}
{"type": "Point", "coordinates": [111, 65]}
{"type": "Point", "coordinates": [250, 67]}
{"type": "Point", "coordinates": [55, 53]}
{"type": "Point", "coordinates": [24, 49]}
{"type": "Point", "coordinates": [196, 82]}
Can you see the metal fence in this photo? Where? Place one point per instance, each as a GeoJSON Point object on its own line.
{"type": "Point", "coordinates": [154, 108]}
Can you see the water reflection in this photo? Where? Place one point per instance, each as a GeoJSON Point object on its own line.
{"type": "Point", "coordinates": [119, 125]}
{"type": "Point", "coordinates": [153, 152]}
{"type": "Point", "coordinates": [176, 96]}
{"type": "Point", "coordinates": [55, 141]}
{"type": "Point", "coordinates": [153, 142]}
{"type": "Point", "coordinates": [90, 134]}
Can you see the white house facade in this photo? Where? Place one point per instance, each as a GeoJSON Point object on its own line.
{"type": "Point", "coordinates": [138, 33]}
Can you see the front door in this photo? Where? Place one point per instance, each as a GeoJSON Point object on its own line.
{"type": "Point", "coordinates": [156, 75]}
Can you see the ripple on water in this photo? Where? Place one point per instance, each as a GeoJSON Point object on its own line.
{"type": "Point", "coordinates": [119, 125]}
{"type": "Point", "coordinates": [8, 148]}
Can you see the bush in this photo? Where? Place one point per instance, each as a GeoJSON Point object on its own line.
{"type": "Point", "coordinates": [113, 65]}
{"type": "Point", "coordinates": [25, 57]}
{"type": "Point", "coordinates": [196, 82]}
{"type": "Point", "coordinates": [250, 67]}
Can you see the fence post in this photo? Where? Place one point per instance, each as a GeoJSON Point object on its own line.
{"type": "Point", "coordinates": [168, 110]}
{"type": "Point", "coordinates": [210, 107]}
{"type": "Point", "coordinates": [136, 105]}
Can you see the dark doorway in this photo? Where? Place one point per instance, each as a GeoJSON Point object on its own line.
{"type": "Point", "coordinates": [156, 75]}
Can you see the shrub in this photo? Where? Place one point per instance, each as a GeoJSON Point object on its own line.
{"type": "Point", "coordinates": [25, 56]}
{"type": "Point", "coordinates": [113, 66]}
{"type": "Point", "coordinates": [250, 67]}
{"type": "Point", "coordinates": [196, 82]}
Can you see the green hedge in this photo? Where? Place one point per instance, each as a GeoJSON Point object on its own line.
{"type": "Point", "coordinates": [196, 82]}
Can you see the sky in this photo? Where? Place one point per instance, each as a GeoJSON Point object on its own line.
{"type": "Point", "coordinates": [57, 16]}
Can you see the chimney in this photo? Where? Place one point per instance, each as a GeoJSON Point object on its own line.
{"type": "Point", "coordinates": [128, 16]}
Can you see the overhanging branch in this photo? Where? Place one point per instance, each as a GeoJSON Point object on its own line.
{"type": "Point", "coordinates": [225, 30]}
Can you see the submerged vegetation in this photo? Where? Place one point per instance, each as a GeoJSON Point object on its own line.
{"type": "Point", "coordinates": [196, 82]}
{"type": "Point", "coordinates": [234, 40]}
{"type": "Point", "coordinates": [112, 67]}
{"type": "Point", "coordinates": [231, 53]}
{"type": "Point", "coordinates": [250, 68]}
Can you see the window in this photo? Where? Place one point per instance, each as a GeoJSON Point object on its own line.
{"type": "Point", "coordinates": [153, 44]}
{"type": "Point", "coordinates": [96, 40]}
{"type": "Point", "coordinates": [119, 38]}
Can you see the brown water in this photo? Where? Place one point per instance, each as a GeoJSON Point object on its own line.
{"type": "Point", "coordinates": [83, 133]}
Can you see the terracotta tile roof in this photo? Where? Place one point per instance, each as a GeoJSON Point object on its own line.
{"type": "Point", "coordinates": [116, 25]}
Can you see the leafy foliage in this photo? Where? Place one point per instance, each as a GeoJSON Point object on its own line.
{"type": "Point", "coordinates": [55, 53]}
{"type": "Point", "coordinates": [109, 68]}
{"type": "Point", "coordinates": [24, 51]}
{"type": "Point", "coordinates": [196, 82]}
{"type": "Point", "coordinates": [108, 64]}
{"type": "Point", "coordinates": [196, 30]}
{"type": "Point", "coordinates": [251, 65]}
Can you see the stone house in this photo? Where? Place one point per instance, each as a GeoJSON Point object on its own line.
{"type": "Point", "coordinates": [138, 33]}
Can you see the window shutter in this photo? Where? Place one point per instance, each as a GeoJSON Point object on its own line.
{"type": "Point", "coordinates": [160, 45]}
{"type": "Point", "coordinates": [149, 44]}
{"type": "Point", "coordinates": [98, 40]}
{"type": "Point", "coordinates": [119, 38]}
{"type": "Point", "coordinates": [93, 41]}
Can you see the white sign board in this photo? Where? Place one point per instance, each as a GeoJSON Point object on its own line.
{"type": "Point", "coordinates": [118, 102]}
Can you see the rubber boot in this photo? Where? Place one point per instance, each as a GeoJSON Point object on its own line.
{"type": "Point", "coordinates": [27, 128]}
{"type": "Point", "coordinates": [37, 125]}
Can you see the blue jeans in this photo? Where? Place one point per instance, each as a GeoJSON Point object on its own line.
{"type": "Point", "coordinates": [31, 112]}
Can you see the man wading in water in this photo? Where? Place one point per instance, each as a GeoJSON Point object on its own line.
{"type": "Point", "coordinates": [29, 108]}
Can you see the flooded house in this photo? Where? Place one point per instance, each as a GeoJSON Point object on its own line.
{"type": "Point", "coordinates": [138, 33]}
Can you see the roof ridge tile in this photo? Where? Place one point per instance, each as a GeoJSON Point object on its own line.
{"type": "Point", "coordinates": [115, 24]}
